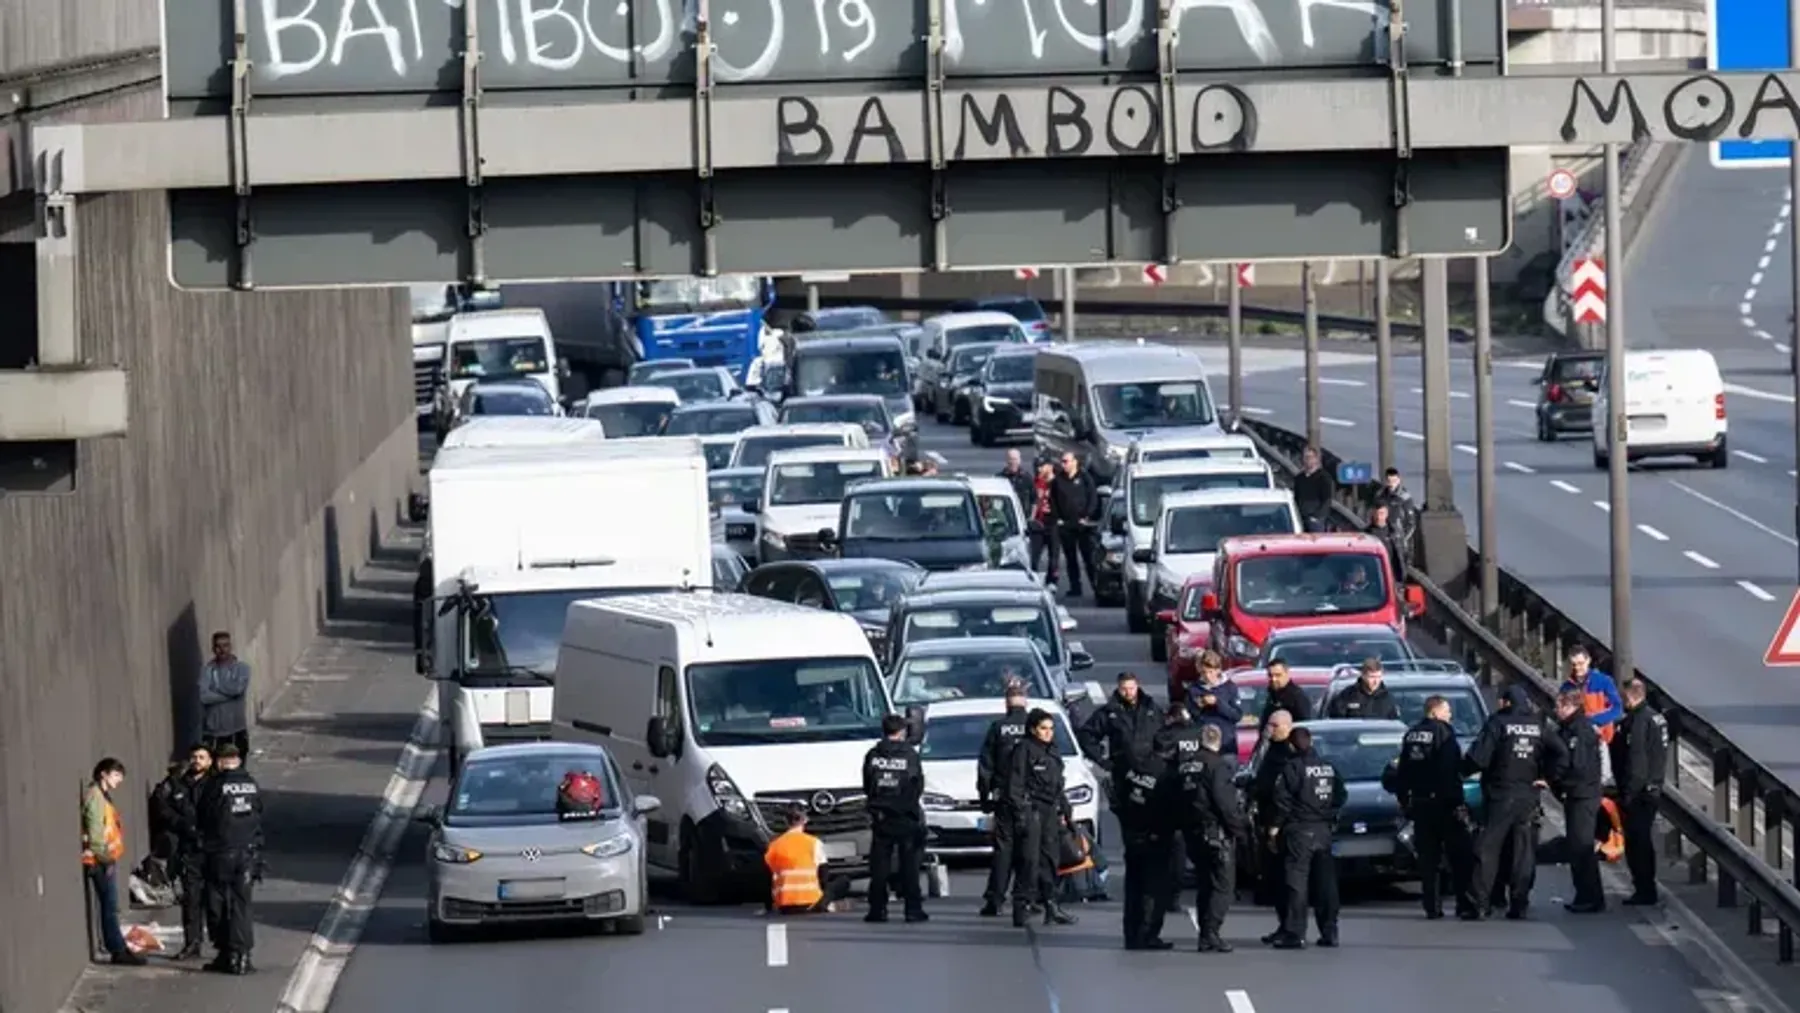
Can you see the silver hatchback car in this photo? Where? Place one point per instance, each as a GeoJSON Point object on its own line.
{"type": "Point", "coordinates": [502, 853]}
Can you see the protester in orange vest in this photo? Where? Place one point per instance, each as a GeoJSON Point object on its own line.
{"type": "Point", "coordinates": [102, 848]}
{"type": "Point", "coordinates": [799, 882]}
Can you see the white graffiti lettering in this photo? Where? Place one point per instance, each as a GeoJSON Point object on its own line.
{"type": "Point", "coordinates": [853, 15]}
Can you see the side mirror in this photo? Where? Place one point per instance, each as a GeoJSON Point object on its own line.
{"type": "Point", "coordinates": [827, 536]}
{"type": "Point", "coordinates": [1079, 658]}
{"type": "Point", "coordinates": [1166, 617]}
{"type": "Point", "coordinates": [751, 507]}
{"type": "Point", "coordinates": [1143, 556]}
{"type": "Point", "coordinates": [1209, 604]}
{"type": "Point", "coordinates": [873, 428]}
{"type": "Point", "coordinates": [1415, 601]}
{"type": "Point", "coordinates": [430, 815]}
{"type": "Point", "coordinates": [663, 738]}
{"type": "Point", "coordinates": [562, 369]}
{"type": "Point", "coordinates": [934, 353]}
{"type": "Point", "coordinates": [1065, 621]}
{"type": "Point", "coordinates": [644, 805]}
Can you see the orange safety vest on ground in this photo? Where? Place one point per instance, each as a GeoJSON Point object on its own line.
{"type": "Point", "coordinates": [113, 847]}
{"type": "Point", "coordinates": [1612, 846]}
{"type": "Point", "coordinates": [793, 860]}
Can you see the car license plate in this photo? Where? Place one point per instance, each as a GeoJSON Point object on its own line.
{"type": "Point", "coordinates": [531, 889]}
{"type": "Point", "coordinates": [837, 851]}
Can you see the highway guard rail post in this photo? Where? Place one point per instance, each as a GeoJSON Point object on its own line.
{"type": "Point", "coordinates": [1732, 810]}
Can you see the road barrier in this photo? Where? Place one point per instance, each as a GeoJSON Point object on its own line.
{"type": "Point", "coordinates": [1731, 810]}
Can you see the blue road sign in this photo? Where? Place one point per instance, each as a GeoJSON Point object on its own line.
{"type": "Point", "coordinates": [1355, 473]}
{"type": "Point", "coordinates": [1748, 35]}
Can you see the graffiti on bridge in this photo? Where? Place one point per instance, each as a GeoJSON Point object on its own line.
{"type": "Point", "coordinates": [1700, 107]}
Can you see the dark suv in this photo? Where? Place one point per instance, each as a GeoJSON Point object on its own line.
{"type": "Point", "coordinates": [1565, 401]}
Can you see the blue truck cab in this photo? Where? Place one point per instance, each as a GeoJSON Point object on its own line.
{"type": "Point", "coordinates": [713, 321]}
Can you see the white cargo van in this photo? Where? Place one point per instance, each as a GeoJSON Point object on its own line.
{"type": "Point", "coordinates": [522, 431]}
{"type": "Point", "coordinates": [729, 709]}
{"type": "Point", "coordinates": [1674, 407]}
{"type": "Point", "coordinates": [516, 534]}
{"type": "Point", "coordinates": [501, 343]}
{"type": "Point", "coordinates": [1144, 488]}
{"type": "Point", "coordinates": [1095, 399]}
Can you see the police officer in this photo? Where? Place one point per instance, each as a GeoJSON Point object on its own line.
{"type": "Point", "coordinates": [990, 787]}
{"type": "Point", "coordinates": [229, 815]}
{"type": "Point", "coordinates": [1034, 793]}
{"type": "Point", "coordinates": [1206, 811]}
{"type": "Point", "coordinates": [1308, 795]}
{"type": "Point", "coordinates": [1580, 789]}
{"type": "Point", "coordinates": [1429, 785]}
{"type": "Point", "coordinates": [1144, 817]}
{"type": "Point", "coordinates": [1640, 761]}
{"type": "Point", "coordinates": [175, 801]}
{"type": "Point", "coordinates": [1516, 755]}
{"type": "Point", "coordinates": [1270, 887]}
{"type": "Point", "coordinates": [894, 782]}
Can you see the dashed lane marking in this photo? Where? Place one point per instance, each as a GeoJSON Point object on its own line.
{"type": "Point", "coordinates": [1326, 420]}
{"type": "Point", "coordinates": [1748, 456]}
{"type": "Point", "coordinates": [1652, 532]}
{"type": "Point", "coordinates": [778, 945]}
{"type": "Point", "coordinates": [1755, 592]}
{"type": "Point", "coordinates": [1565, 486]}
{"type": "Point", "coordinates": [1239, 1001]}
{"type": "Point", "coordinates": [1248, 410]}
{"type": "Point", "coordinates": [1734, 512]}
{"type": "Point", "coordinates": [1338, 381]}
{"type": "Point", "coordinates": [1604, 506]}
{"type": "Point", "coordinates": [1407, 434]}
{"type": "Point", "coordinates": [1523, 469]}
{"type": "Point", "coordinates": [1520, 403]}
{"type": "Point", "coordinates": [1702, 560]}
{"type": "Point", "coordinates": [1464, 448]}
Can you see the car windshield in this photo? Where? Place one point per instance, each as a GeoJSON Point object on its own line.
{"type": "Point", "coordinates": [739, 290]}
{"type": "Point", "coordinates": [746, 703]}
{"type": "Point", "coordinates": [720, 421]}
{"type": "Point", "coordinates": [960, 736]}
{"type": "Point", "coordinates": [1570, 369]}
{"type": "Point", "coordinates": [1032, 622]}
{"type": "Point", "coordinates": [973, 334]}
{"type": "Point", "coordinates": [879, 371]}
{"type": "Point", "coordinates": [1198, 454]}
{"type": "Point", "coordinates": [1302, 651]}
{"type": "Point", "coordinates": [967, 360]}
{"type": "Point", "coordinates": [978, 675]}
{"type": "Point", "coordinates": [871, 590]}
{"type": "Point", "coordinates": [853, 412]}
{"type": "Point", "coordinates": [521, 790]}
{"type": "Point", "coordinates": [1011, 368]}
{"type": "Point", "coordinates": [1251, 696]}
{"type": "Point", "coordinates": [1199, 529]}
{"type": "Point", "coordinates": [1190, 603]}
{"type": "Point", "coordinates": [498, 357]}
{"type": "Point", "coordinates": [1147, 491]}
{"type": "Point", "coordinates": [1312, 583]}
{"type": "Point", "coordinates": [643, 371]}
{"type": "Point", "coordinates": [1026, 310]}
{"type": "Point", "coordinates": [754, 451]}
{"type": "Point", "coordinates": [809, 484]}
{"type": "Point", "coordinates": [1358, 756]}
{"type": "Point", "coordinates": [732, 491]}
{"type": "Point", "coordinates": [1467, 712]}
{"type": "Point", "coordinates": [998, 515]}
{"type": "Point", "coordinates": [1152, 404]}
{"type": "Point", "coordinates": [848, 319]}
{"type": "Point", "coordinates": [518, 634]}
{"type": "Point", "coordinates": [700, 385]}
{"type": "Point", "coordinates": [626, 419]}
{"type": "Point", "coordinates": [512, 402]}
{"type": "Point", "coordinates": [912, 516]}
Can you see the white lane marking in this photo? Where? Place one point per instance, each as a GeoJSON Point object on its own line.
{"type": "Point", "coordinates": [1522, 469]}
{"type": "Point", "coordinates": [1744, 307]}
{"type": "Point", "coordinates": [1463, 394]}
{"type": "Point", "coordinates": [1652, 532]}
{"type": "Point", "coordinates": [1735, 512]}
{"type": "Point", "coordinates": [1765, 335]}
{"type": "Point", "coordinates": [1755, 592]}
{"type": "Point", "coordinates": [1239, 1001]}
{"type": "Point", "coordinates": [1604, 506]}
{"type": "Point", "coordinates": [1762, 263]}
{"type": "Point", "coordinates": [1407, 434]}
{"type": "Point", "coordinates": [1749, 322]}
{"type": "Point", "coordinates": [1760, 395]}
{"type": "Point", "coordinates": [778, 948]}
{"type": "Point", "coordinates": [1464, 448]}
{"type": "Point", "coordinates": [1564, 486]}
{"type": "Point", "coordinates": [1338, 381]}
{"type": "Point", "coordinates": [1340, 423]}
{"type": "Point", "coordinates": [1769, 247]}
{"type": "Point", "coordinates": [1783, 349]}
{"type": "Point", "coordinates": [1748, 456]}
{"type": "Point", "coordinates": [1257, 411]}
{"type": "Point", "coordinates": [1755, 280]}
{"type": "Point", "coordinates": [1702, 560]}
{"type": "Point", "coordinates": [1519, 403]}
{"type": "Point", "coordinates": [315, 977]}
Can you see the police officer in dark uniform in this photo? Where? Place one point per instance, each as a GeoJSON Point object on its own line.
{"type": "Point", "coordinates": [1640, 762]}
{"type": "Point", "coordinates": [1580, 789]}
{"type": "Point", "coordinates": [1144, 817]}
{"type": "Point", "coordinates": [1034, 792]}
{"type": "Point", "coordinates": [175, 801]}
{"type": "Point", "coordinates": [990, 788]}
{"type": "Point", "coordinates": [1308, 795]}
{"type": "Point", "coordinates": [1429, 784]}
{"type": "Point", "coordinates": [1271, 889]}
{"type": "Point", "coordinates": [1206, 811]}
{"type": "Point", "coordinates": [894, 782]}
{"type": "Point", "coordinates": [229, 815]}
{"type": "Point", "coordinates": [1516, 755]}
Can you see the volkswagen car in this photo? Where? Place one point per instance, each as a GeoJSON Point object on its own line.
{"type": "Point", "coordinates": [955, 825]}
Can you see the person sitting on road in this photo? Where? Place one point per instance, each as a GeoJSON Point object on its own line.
{"type": "Point", "coordinates": [799, 881]}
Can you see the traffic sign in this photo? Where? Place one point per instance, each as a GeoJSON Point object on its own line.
{"type": "Point", "coordinates": [1785, 648]}
{"type": "Point", "coordinates": [1026, 273]}
{"type": "Point", "coordinates": [1562, 184]}
{"type": "Point", "coordinates": [1355, 473]}
{"type": "Point", "coordinates": [1587, 290]}
{"type": "Point", "coordinates": [1246, 275]}
{"type": "Point", "coordinates": [1155, 274]}
{"type": "Point", "coordinates": [1748, 35]}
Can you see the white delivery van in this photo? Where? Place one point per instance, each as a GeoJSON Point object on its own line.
{"type": "Point", "coordinates": [1096, 399]}
{"type": "Point", "coordinates": [802, 494]}
{"type": "Point", "coordinates": [1188, 532]}
{"type": "Point", "coordinates": [494, 344]}
{"type": "Point", "coordinates": [522, 431]}
{"type": "Point", "coordinates": [1674, 407]}
{"type": "Point", "coordinates": [515, 535]}
{"type": "Point", "coordinates": [730, 709]}
{"type": "Point", "coordinates": [754, 445]}
{"type": "Point", "coordinates": [1145, 486]}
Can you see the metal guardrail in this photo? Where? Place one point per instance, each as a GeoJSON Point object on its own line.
{"type": "Point", "coordinates": [1738, 823]}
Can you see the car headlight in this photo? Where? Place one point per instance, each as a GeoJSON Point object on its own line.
{"type": "Point", "coordinates": [1240, 647]}
{"type": "Point", "coordinates": [992, 404]}
{"type": "Point", "coordinates": [935, 802]}
{"type": "Point", "coordinates": [1167, 590]}
{"type": "Point", "coordinates": [612, 847]}
{"type": "Point", "coordinates": [774, 540]}
{"type": "Point", "coordinates": [1116, 453]}
{"type": "Point", "coordinates": [725, 793]}
{"type": "Point", "coordinates": [451, 855]}
{"type": "Point", "coordinates": [1081, 794]}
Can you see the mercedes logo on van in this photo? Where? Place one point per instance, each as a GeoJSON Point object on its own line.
{"type": "Point", "coordinates": [823, 802]}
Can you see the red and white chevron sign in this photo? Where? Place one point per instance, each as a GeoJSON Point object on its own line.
{"type": "Point", "coordinates": [1155, 274]}
{"type": "Point", "coordinates": [1246, 275]}
{"type": "Point", "coordinates": [1026, 273]}
{"type": "Point", "coordinates": [1587, 290]}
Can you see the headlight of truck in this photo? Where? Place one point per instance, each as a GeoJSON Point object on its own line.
{"type": "Point", "coordinates": [1239, 647]}
{"type": "Point", "coordinates": [1081, 794]}
{"type": "Point", "coordinates": [452, 855]}
{"type": "Point", "coordinates": [725, 794]}
{"type": "Point", "coordinates": [612, 847]}
{"type": "Point", "coordinates": [935, 802]}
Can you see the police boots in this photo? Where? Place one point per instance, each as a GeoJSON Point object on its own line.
{"type": "Point", "coordinates": [1055, 915]}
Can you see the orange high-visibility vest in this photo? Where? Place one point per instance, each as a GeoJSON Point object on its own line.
{"type": "Point", "coordinates": [113, 847]}
{"type": "Point", "coordinates": [793, 860]}
{"type": "Point", "coordinates": [1594, 703]}
{"type": "Point", "coordinates": [1612, 846]}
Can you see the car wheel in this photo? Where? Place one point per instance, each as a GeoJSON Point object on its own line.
{"type": "Point", "coordinates": [1136, 618]}
{"type": "Point", "coordinates": [1545, 433]}
{"type": "Point", "coordinates": [440, 933]}
{"type": "Point", "coordinates": [1159, 644]}
{"type": "Point", "coordinates": [630, 925]}
{"type": "Point", "coordinates": [1718, 458]}
{"type": "Point", "coordinates": [695, 888]}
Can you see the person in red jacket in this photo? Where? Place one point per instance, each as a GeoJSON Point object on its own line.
{"type": "Point", "coordinates": [1042, 525]}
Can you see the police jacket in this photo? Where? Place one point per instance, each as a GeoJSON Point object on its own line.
{"type": "Point", "coordinates": [1142, 797]}
{"type": "Point", "coordinates": [229, 812]}
{"type": "Point", "coordinates": [1035, 782]}
{"type": "Point", "coordinates": [1262, 787]}
{"type": "Point", "coordinates": [1640, 755]}
{"type": "Point", "coordinates": [1119, 732]}
{"type": "Point", "coordinates": [1430, 771]}
{"type": "Point", "coordinates": [1225, 711]}
{"type": "Point", "coordinates": [1308, 791]}
{"type": "Point", "coordinates": [1515, 749]}
{"type": "Point", "coordinates": [1359, 701]}
{"type": "Point", "coordinates": [1206, 799]}
{"type": "Point", "coordinates": [996, 750]}
{"type": "Point", "coordinates": [1073, 499]}
{"type": "Point", "coordinates": [894, 781]}
{"type": "Point", "coordinates": [173, 814]}
{"type": "Point", "coordinates": [1581, 776]}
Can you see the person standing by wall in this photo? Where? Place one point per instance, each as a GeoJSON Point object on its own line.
{"type": "Point", "coordinates": [224, 684]}
{"type": "Point", "coordinates": [102, 848]}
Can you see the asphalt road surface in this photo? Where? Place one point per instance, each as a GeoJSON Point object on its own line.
{"type": "Point", "coordinates": [732, 959]}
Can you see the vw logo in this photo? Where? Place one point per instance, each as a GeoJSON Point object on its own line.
{"type": "Point", "coordinates": [531, 854]}
{"type": "Point", "coordinates": [823, 802]}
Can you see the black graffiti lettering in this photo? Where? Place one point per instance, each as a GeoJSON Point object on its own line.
{"type": "Point", "coordinates": [1784, 101]}
{"type": "Point", "coordinates": [1699, 109]}
{"type": "Point", "coordinates": [1224, 119]}
{"type": "Point", "coordinates": [796, 120]}
{"type": "Point", "coordinates": [1004, 119]}
{"type": "Point", "coordinates": [1133, 121]}
{"type": "Point", "coordinates": [1072, 114]}
{"type": "Point", "coordinates": [1622, 94]}
{"type": "Point", "coordinates": [872, 122]}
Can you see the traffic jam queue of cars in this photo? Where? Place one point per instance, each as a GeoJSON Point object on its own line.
{"type": "Point", "coordinates": [721, 643]}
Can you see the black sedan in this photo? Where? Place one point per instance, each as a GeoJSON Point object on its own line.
{"type": "Point", "coordinates": [999, 403]}
{"type": "Point", "coordinates": [1328, 646]}
{"type": "Point", "coordinates": [506, 397]}
{"type": "Point", "coordinates": [865, 588]}
{"type": "Point", "coordinates": [960, 370]}
{"type": "Point", "coordinates": [1367, 841]}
